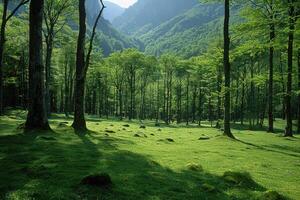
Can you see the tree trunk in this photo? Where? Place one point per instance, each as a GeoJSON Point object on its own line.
{"type": "Point", "coordinates": [2, 43]}
{"type": "Point", "coordinates": [49, 49]}
{"type": "Point", "coordinates": [79, 120]}
{"type": "Point", "coordinates": [187, 99]}
{"type": "Point", "coordinates": [227, 130]}
{"type": "Point", "coordinates": [289, 121]}
{"type": "Point", "coordinates": [271, 66]}
{"type": "Point", "coordinates": [37, 114]}
{"type": "Point", "coordinates": [298, 89]}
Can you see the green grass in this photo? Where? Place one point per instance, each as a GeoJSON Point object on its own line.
{"type": "Point", "coordinates": [146, 167]}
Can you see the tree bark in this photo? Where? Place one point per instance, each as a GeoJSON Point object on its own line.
{"type": "Point", "coordinates": [298, 90]}
{"type": "Point", "coordinates": [227, 130]}
{"type": "Point", "coordinates": [37, 115]}
{"type": "Point", "coordinates": [2, 43]}
{"type": "Point", "coordinates": [271, 66]}
{"type": "Point", "coordinates": [289, 121]}
{"type": "Point", "coordinates": [79, 120]}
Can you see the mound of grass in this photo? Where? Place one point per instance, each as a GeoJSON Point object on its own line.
{"type": "Point", "coordinates": [194, 167]}
{"type": "Point", "coordinates": [243, 179]}
{"type": "Point", "coordinates": [272, 195]}
{"type": "Point", "coordinates": [102, 180]}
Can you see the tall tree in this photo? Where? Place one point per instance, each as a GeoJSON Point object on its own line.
{"type": "Point", "coordinates": [37, 116]}
{"type": "Point", "coordinates": [5, 18]}
{"type": "Point", "coordinates": [227, 130]}
{"type": "Point", "coordinates": [289, 122]}
{"type": "Point", "coordinates": [82, 64]}
{"type": "Point", "coordinates": [53, 11]}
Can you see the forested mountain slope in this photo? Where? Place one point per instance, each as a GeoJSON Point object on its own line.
{"type": "Point", "coordinates": [109, 39]}
{"type": "Point", "coordinates": [147, 14]}
{"type": "Point", "coordinates": [187, 34]}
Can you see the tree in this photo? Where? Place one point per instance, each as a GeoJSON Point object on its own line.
{"type": "Point", "coordinates": [227, 130]}
{"type": "Point", "coordinates": [289, 122]}
{"type": "Point", "coordinates": [82, 65]}
{"type": "Point", "coordinates": [37, 115]}
{"type": "Point", "coordinates": [53, 11]}
{"type": "Point", "coordinates": [5, 18]}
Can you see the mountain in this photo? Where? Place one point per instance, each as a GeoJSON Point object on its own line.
{"type": "Point", "coordinates": [112, 11]}
{"type": "Point", "coordinates": [108, 38]}
{"type": "Point", "coordinates": [147, 14]}
{"type": "Point", "coordinates": [187, 34]}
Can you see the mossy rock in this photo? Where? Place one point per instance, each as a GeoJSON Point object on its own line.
{"type": "Point", "coordinates": [152, 134]}
{"type": "Point", "coordinates": [240, 179]}
{"type": "Point", "coordinates": [208, 187]}
{"type": "Point", "coordinates": [271, 195]}
{"type": "Point", "coordinates": [110, 131]}
{"type": "Point", "coordinates": [45, 138]}
{"type": "Point", "coordinates": [126, 125]}
{"type": "Point", "coordinates": [170, 140]}
{"type": "Point", "coordinates": [157, 124]}
{"type": "Point", "coordinates": [62, 125]}
{"type": "Point", "coordinates": [102, 180]}
{"type": "Point", "coordinates": [159, 130]}
{"type": "Point", "coordinates": [136, 135]}
{"type": "Point", "coordinates": [194, 167]}
{"type": "Point", "coordinates": [143, 126]}
{"type": "Point", "coordinates": [204, 138]}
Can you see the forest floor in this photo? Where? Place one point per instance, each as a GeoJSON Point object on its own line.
{"type": "Point", "coordinates": [151, 163]}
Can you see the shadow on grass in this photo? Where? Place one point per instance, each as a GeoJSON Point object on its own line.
{"type": "Point", "coordinates": [33, 167]}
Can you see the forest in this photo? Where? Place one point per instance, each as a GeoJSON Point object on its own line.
{"type": "Point", "coordinates": [158, 100]}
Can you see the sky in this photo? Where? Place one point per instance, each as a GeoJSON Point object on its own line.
{"type": "Point", "coordinates": [124, 3]}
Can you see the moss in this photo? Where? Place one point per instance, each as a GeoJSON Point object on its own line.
{"type": "Point", "coordinates": [271, 195]}
{"type": "Point", "coordinates": [194, 167]}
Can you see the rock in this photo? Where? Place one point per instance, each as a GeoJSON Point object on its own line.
{"type": "Point", "coordinates": [157, 124]}
{"type": "Point", "coordinates": [124, 129]}
{"type": "Point", "coordinates": [271, 195]}
{"type": "Point", "coordinates": [136, 135]}
{"type": "Point", "coordinates": [143, 126]}
{"type": "Point", "coordinates": [44, 137]}
{"type": "Point", "coordinates": [204, 138]}
{"type": "Point", "coordinates": [194, 167]}
{"type": "Point", "coordinates": [126, 125]}
{"type": "Point", "coordinates": [97, 124]}
{"type": "Point", "coordinates": [99, 180]}
{"type": "Point", "coordinates": [111, 125]}
{"type": "Point", "coordinates": [145, 136]}
{"type": "Point", "coordinates": [110, 131]}
{"type": "Point", "coordinates": [208, 188]}
{"type": "Point", "coordinates": [62, 124]}
{"type": "Point", "coordinates": [106, 134]}
{"type": "Point", "coordinates": [170, 140]}
{"type": "Point", "coordinates": [159, 129]}
{"type": "Point", "coordinates": [152, 134]}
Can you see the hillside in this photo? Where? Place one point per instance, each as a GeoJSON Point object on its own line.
{"type": "Point", "coordinates": [147, 14]}
{"type": "Point", "coordinates": [186, 34]}
{"type": "Point", "coordinates": [109, 38]}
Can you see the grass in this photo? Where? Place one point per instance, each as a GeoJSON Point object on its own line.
{"type": "Point", "coordinates": [150, 167]}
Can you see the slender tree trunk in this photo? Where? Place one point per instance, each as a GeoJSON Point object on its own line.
{"type": "Point", "coordinates": [187, 99]}
{"type": "Point", "coordinates": [283, 86]}
{"type": "Point", "coordinates": [37, 114]}
{"type": "Point", "coordinates": [271, 66]}
{"type": "Point", "coordinates": [227, 130]}
{"type": "Point", "coordinates": [289, 121]}
{"type": "Point", "coordinates": [298, 89]}
{"type": "Point", "coordinates": [49, 50]}
{"type": "Point", "coordinates": [79, 120]}
{"type": "Point", "coordinates": [2, 43]}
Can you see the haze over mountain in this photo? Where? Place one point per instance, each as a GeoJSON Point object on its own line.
{"type": "Point", "coordinates": [175, 26]}
{"type": "Point", "coordinates": [147, 14]}
{"type": "Point", "coordinates": [109, 38]}
{"type": "Point", "coordinates": [112, 10]}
